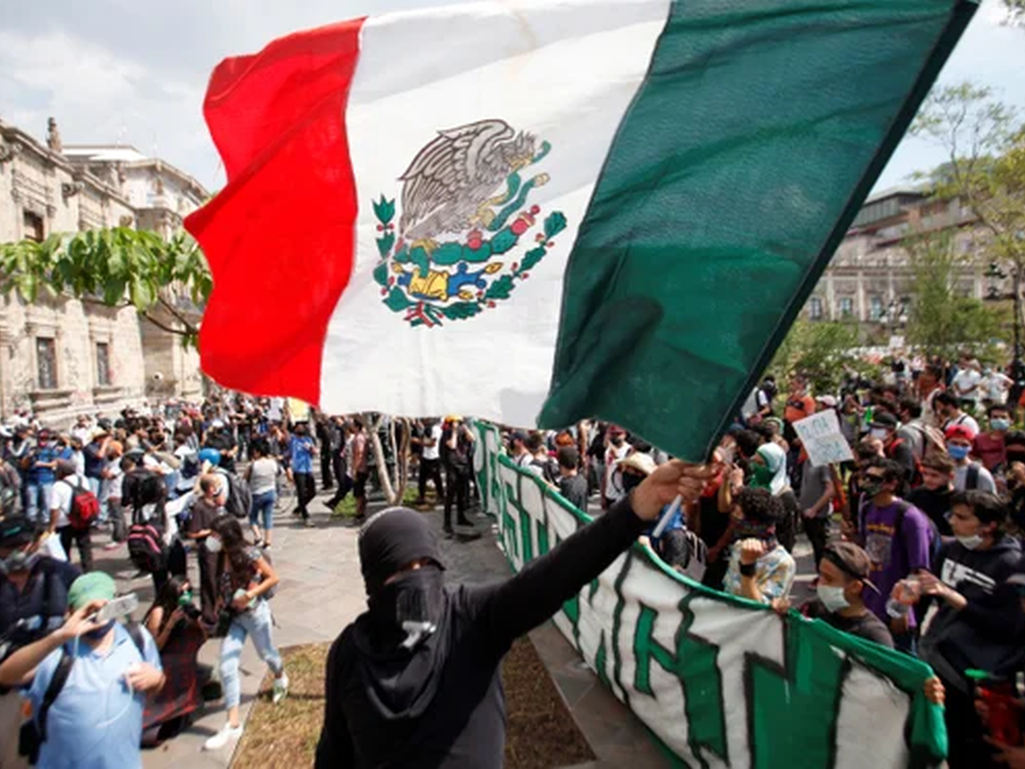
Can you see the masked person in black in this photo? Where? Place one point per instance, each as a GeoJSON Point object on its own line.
{"type": "Point", "coordinates": [414, 681]}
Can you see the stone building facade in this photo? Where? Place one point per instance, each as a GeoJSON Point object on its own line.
{"type": "Point", "coordinates": [61, 356]}
{"type": "Point", "coordinates": [869, 277]}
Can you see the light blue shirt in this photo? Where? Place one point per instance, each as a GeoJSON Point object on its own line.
{"type": "Point", "coordinates": [95, 722]}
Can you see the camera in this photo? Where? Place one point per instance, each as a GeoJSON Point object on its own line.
{"type": "Point", "coordinates": [191, 611]}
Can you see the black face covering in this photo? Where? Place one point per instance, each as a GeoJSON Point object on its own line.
{"type": "Point", "coordinates": [403, 638]}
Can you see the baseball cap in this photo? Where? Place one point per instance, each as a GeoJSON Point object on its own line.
{"type": "Point", "coordinates": [851, 560]}
{"type": "Point", "coordinates": [639, 461]}
{"type": "Point", "coordinates": [94, 586]}
{"type": "Point", "coordinates": [884, 419]}
{"type": "Point", "coordinates": [15, 531]}
{"type": "Point", "coordinates": [960, 431]}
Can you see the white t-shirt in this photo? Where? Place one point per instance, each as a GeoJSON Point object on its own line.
{"type": "Point", "coordinates": [262, 475]}
{"type": "Point", "coordinates": [997, 384]}
{"type": "Point", "coordinates": [965, 419]}
{"type": "Point", "coordinates": [434, 434]}
{"type": "Point", "coordinates": [60, 497]}
{"type": "Point", "coordinates": [613, 475]}
{"type": "Point", "coordinates": [965, 384]}
{"type": "Point", "coordinates": [117, 477]}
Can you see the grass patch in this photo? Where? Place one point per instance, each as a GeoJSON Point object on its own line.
{"type": "Point", "coordinates": [347, 507]}
{"type": "Point", "coordinates": [540, 731]}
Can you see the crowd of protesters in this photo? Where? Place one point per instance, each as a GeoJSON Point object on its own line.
{"type": "Point", "coordinates": [917, 541]}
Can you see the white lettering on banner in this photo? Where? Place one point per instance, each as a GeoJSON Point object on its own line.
{"type": "Point", "coordinates": [821, 437]}
{"type": "Point", "coordinates": [719, 681]}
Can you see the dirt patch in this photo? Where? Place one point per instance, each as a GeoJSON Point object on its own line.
{"type": "Point", "coordinates": [540, 733]}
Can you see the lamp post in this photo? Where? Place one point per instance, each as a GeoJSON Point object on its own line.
{"type": "Point", "coordinates": [995, 275]}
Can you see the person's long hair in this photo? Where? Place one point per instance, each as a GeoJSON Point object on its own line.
{"type": "Point", "coordinates": [234, 548]}
{"type": "Point", "coordinates": [167, 600]}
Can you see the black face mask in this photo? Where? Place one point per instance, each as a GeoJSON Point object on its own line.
{"type": "Point", "coordinates": [631, 481]}
{"type": "Point", "coordinates": [408, 609]}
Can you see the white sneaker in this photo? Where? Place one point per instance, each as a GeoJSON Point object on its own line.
{"type": "Point", "coordinates": [223, 737]}
{"type": "Point", "coordinates": [280, 688]}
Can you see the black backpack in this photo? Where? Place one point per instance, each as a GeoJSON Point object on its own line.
{"type": "Point", "coordinates": [240, 498]}
{"type": "Point", "coordinates": [146, 548]}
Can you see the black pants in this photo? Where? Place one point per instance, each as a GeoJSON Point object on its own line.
{"type": "Point", "coordinates": [208, 584]}
{"type": "Point", "coordinates": [817, 530]}
{"type": "Point", "coordinates": [964, 732]}
{"type": "Point", "coordinates": [430, 469]}
{"type": "Point", "coordinates": [325, 470]}
{"type": "Point", "coordinates": [118, 528]}
{"type": "Point", "coordinates": [305, 490]}
{"type": "Point", "coordinates": [83, 540]}
{"type": "Point", "coordinates": [338, 466]}
{"type": "Point", "coordinates": [457, 489]}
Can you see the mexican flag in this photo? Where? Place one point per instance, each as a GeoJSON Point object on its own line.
{"type": "Point", "coordinates": [539, 211]}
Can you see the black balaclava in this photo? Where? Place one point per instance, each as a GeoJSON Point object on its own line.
{"type": "Point", "coordinates": [403, 637]}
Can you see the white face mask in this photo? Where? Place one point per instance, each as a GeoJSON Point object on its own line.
{"type": "Point", "coordinates": [878, 432]}
{"type": "Point", "coordinates": [832, 597]}
{"type": "Point", "coordinates": [213, 545]}
{"type": "Point", "coordinates": [972, 542]}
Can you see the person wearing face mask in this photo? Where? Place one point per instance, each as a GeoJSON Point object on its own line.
{"type": "Point", "coordinates": [979, 623]}
{"type": "Point", "coordinates": [95, 719]}
{"type": "Point", "coordinates": [884, 428]}
{"type": "Point", "coordinates": [33, 602]}
{"type": "Point", "coordinates": [414, 681]}
{"type": "Point", "coordinates": [989, 446]}
{"type": "Point", "coordinates": [760, 568]}
{"type": "Point", "coordinates": [244, 577]}
{"type": "Point", "coordinates": [842, 580]}
{"type": "Point", "coordinates": [769, 471]}
{"type": "Point", "coordinates": [969, 474]}
{"type": "Point", "coordinates": [898, 538]}
{"type": "Point", "coordinates": [934, 495]}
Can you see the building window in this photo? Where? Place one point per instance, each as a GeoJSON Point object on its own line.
{"type": "Point", "coordinates": [815, 308]}
{"type": "Point", "coordinates": [875, 307]}
{"type": "Point", "coordinates": [46, 363]}
{"type": "Point", "coordinates": [846, 305]}
{"type": "Point", "coordinates": [33, 226]}
{"type": "Point", "coordinates": [102, 363]}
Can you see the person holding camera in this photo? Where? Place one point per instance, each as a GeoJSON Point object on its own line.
{"type": "Point", "coordinates": [173, 621]}
{"type": "Point", "coordinates": [87, 683]}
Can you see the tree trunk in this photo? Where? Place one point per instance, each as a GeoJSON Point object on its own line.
{"type": "Point", "coordinates": [394, 488]}
{"type": "Point", "coordinates": [382, 464]}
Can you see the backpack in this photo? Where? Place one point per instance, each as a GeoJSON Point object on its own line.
{"type": "Point", "coordinates": [33, 731]}
{"type": "Point", "coordinates": [971, 481]}
{"type": "Point", "coordinates": [148, 488]}
{"type": "Point", "coordinates": [240, 498]}
{"type": "Point", "coordinates": [85, 507]}
{"type": "Point", "coordinates": [146, 548]}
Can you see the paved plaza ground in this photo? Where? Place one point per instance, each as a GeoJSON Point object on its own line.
{"type": "Point", "coordinates": [321, 591]}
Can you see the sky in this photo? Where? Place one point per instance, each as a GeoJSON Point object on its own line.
{"type": "Point", "coordinates": [124, 71]}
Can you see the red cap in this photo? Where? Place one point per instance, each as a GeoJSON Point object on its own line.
{"type": "Point", "coordinates": [960, 431]}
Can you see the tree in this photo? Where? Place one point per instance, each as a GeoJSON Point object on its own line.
{"type": "Point", "coordinates": [1015, 11]}
{"type": "Point", "coordinates": [821, 351]}
{"type": "Point", "coordinates": [985, 167]}
{"type": "Point", "coordinates": [940, 321]}
{"type": "Point", "coordinates": [117, 267]}
{"type": "Point", "coordinates": [393, 475]}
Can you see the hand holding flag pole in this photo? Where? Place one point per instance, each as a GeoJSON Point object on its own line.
{"type": "Point", "coordinates": [673, 483]}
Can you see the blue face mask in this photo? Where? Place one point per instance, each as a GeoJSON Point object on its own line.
{"type": "Point", "coordinates": [1000, 425]}
{"type": "Point", "coordinates": [958, 453]}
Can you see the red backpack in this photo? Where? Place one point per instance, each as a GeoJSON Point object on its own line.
{"type": "Point", "coordinates": [85, 507]}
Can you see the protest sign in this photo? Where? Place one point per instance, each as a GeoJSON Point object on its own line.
{"type": "Point", "coordinates": [821, 437]}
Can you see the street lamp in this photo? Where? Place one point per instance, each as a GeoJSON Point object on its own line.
{"type": "Point", "coordinates": [995, 276]}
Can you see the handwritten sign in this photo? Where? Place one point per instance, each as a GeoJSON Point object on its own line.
{"type": "Point", "coordinates": [820, 434]}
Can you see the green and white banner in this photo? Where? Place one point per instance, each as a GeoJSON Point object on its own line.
{"type": "Point", "coordinates": [718, 680]}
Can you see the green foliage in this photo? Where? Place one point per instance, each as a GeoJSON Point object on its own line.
{"type": "Point", "coordinates": [381, 274]}
{"type": "Point", "coordinates": [384, 243]}
{"type": "Point", "coordinates": [1015, 11]}
{"type": "Point", "coordinates": [397, 301]}
{"type": "Point", "coordinates": [118, 267]}
{"type": "Point", "coordinates": [940, 321]}
{"type": "Point", "coordinates": [820, 350]}
{"type": "Point", "coordinates": [531, 258]}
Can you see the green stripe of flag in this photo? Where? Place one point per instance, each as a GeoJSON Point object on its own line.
{"type": "Point", "coordinates": [759, 130]}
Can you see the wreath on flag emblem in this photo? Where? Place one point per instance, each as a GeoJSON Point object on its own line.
{"type": "Point", "coordinates": [466, 182]}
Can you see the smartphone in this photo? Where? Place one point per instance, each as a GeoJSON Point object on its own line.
{"type": "Point", "coordinates": [117, 607]}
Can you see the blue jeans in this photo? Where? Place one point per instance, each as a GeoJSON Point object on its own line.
{"type": "Point", "coordinates": [37, 503]}
{"type": "Point", "coordinates": [257, 623]}
{"type": "Point", "coordinates": [96, 487]}
{"type": "Point", "coordinates": [263, 508]}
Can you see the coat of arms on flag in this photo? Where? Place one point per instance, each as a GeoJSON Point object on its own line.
{"type": "Point", "coordinates": [467, 184]}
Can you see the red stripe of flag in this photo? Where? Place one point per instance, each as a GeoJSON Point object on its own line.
{"type": "Point", "coordinates": [280, 236]}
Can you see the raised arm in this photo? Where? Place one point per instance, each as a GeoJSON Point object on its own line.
{"type": "Point", "coordinates": [524, 601]}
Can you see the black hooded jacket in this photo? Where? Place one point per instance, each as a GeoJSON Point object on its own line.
{"type": "Point", "coordinates": [441, 704]}
{"type": "Point", "coordinates": [988, 633]}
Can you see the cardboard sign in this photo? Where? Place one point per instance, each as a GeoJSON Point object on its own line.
{"type": "Point", "coordinates": [820, 434]}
